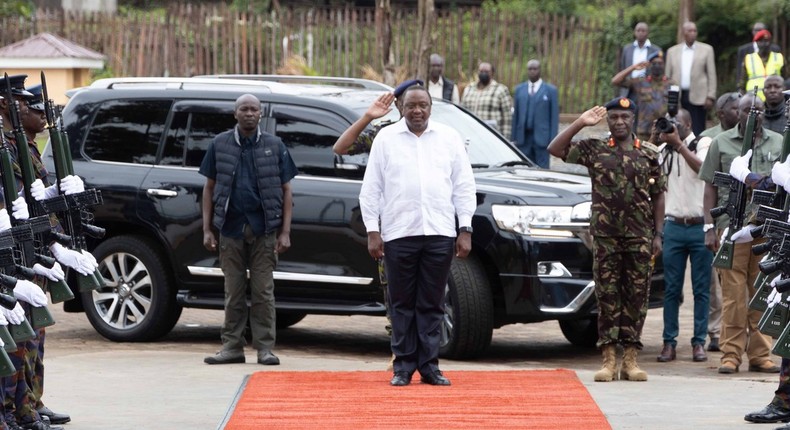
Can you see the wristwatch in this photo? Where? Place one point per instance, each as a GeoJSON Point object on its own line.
{"type": "Point", "coordinates": [707, 227]}
{"type": "Point", "coordinates": [465, 230]}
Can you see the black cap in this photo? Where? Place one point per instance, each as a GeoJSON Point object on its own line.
{"type": "Point", "coordinates": [622, 103]}
{"type": "Point", "coordinates": [35, 100]}
{"type": "Point", "coordinates": [406, 84]}
{"type": "Point", "coordinates": [17, 85]}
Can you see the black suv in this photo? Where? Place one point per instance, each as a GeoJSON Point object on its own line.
{"type": "Point", "coordinates": [141, 140]}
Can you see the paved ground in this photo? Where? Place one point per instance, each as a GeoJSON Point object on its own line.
{"type": "Point", "coordinates": [165, 385]}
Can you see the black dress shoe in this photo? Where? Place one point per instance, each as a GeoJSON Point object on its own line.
{"type": "Point", "coordinates": [435, 378]}
{"type": "Point", "coordinates": [39, 425]}
{"type": "Point", "coordinates": [769, 414]}
{"type": "Point", "coordinates": [400, 379]}
{"type": "Point", "coordinates": [54, 417]}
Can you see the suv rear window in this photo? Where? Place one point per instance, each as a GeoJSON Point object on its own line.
{"type": "Point", "coordinates": [127, 131]}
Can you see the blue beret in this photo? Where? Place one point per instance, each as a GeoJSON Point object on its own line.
{"type": "Point", "coordinates": [655, 54]}
{"type": "Point", "coordinates": [35, 100]}
{"type": "Point", "coordinates": [17, 85]}
{"type": "Point", "coordinates": [406, 84]}
{"type": "Point", "coordinates": [623, 103]}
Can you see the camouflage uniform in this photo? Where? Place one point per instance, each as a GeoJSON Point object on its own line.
{"type": "Point", "coordinates": [651, 97]}
{"type": "Point", "coordinates": [622, 226]}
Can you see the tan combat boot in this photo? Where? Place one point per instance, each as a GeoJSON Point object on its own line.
{"type": "Point", "coordinates": [630, 370]}
{"type": "Point", "coordinates": [609, 369]}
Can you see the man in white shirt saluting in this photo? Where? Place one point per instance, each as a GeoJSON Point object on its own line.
{"type": "Point", "coordinates": [417, 180]}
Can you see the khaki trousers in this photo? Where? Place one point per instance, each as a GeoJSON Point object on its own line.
{"type": "Point", "coordinates": [739, 331]}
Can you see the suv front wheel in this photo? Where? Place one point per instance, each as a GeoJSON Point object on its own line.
{"type": "Point", "coordinates": [468, 310]}
{"type": "Point", "coordinates": [138, 302]}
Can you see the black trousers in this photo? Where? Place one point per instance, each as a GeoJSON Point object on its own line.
{"type": "Point", "coordinates": [698, 113]}
{"type": "Point", "coordinates": [417, 271]}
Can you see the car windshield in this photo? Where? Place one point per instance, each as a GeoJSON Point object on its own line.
{"type": "Point", "coordinates": [486, 148]}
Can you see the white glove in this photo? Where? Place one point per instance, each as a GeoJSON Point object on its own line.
{"type": "Point", "coordinates": [54, 274]}
{"type": "Point", "coordinates": [39, 192]}
{"type": "Point", "coordinates": [90, 258]}
{"type": "Point", "coordinates": [5, 220]}
{"type": "Point", "coordinates": [3, 321]}
{"type": "Point", "coordinates": [739, 168]}
{"type": "Point", "coordinates": [14, 316]}
{"type": "Point", "coordinates": [724, 234]}
{"type": "Point", "coordinates": [773, 298]}
{"type": "Point", "coordinates": [743, 235]}
{"type": "Point", "coordinates": [30, 292]}
{"type": "Point", "coordinates": [74, 259]}
{"type": "Point", "coordinates": [72, 184]}
{"type": "Point", "coordinates": [19, 209]}
{"type": "Point", "coordinates": [780, 174]}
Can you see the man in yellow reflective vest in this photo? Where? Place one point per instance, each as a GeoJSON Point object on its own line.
{"type": "Point", "coordinates": [761, 64]}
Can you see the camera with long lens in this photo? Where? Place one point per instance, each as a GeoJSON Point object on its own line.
{"type": "Point", "coordinates": [667, 125]}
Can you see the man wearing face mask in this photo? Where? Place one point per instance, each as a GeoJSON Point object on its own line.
{"type": "Point", "coordinates": [489, 99]}
{"type": "Point", "coordinates": [650, 91]}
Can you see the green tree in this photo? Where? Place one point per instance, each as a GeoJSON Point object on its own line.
{"type": "Point", "coordinates": [17, 8]}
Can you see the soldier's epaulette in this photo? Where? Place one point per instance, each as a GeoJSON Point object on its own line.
{"type": "Point", "coordinates": [650, 146]}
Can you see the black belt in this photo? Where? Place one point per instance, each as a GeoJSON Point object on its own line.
{"type": "Point", "coordinates": [694, 220]}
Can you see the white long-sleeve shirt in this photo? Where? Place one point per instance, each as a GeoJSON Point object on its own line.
{"type": "Point", "coordinates": [417, 185]}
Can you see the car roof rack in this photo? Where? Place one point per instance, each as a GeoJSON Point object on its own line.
{"type": "Point", "coordinates": [183, 83]}
{"type": "Point", "coordinates": [365, 84]}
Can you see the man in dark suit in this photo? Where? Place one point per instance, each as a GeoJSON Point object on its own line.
{"type": "Point", "coordinates": [635, 53]}
{"type": "Point", "coordinates": [536, 115]}
{"type": "Point", "coordinates": [748, 48]}
{"type": "Point", "coordinates": [693, 65]}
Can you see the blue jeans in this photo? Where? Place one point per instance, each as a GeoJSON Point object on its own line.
{"type": "Point", "coordinates": [682, 242]}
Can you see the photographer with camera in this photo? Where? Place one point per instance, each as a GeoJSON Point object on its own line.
{"type": "Point", "coordinates": [684, 230]}
{"type": "Point", "coordinates": [650, 91]}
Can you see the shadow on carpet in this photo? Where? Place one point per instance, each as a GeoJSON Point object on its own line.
{"type": "Point", "coordinates": [524, 399]}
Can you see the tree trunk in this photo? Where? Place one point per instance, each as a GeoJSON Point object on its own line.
{"type": "Point", "coordinates": [426, 18]}
{"type": "Point", "coordinates": [384, 41]}
{"type": "Point", "coordinates": [685, 14]}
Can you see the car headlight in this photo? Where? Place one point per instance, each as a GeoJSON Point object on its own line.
{"type": "Point", "coordinates": [537, 220]}
{"type": "Point", "coordinates": [582, 212]}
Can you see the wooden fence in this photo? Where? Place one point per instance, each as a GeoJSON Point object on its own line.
{"type": "Point", "coordinates": [191, 40]}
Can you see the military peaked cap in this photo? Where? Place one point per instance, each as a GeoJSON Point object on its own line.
{"type": "Point", "coordinates": [36, 100]}
{"type": "Point", "coordinates": [17, 85]}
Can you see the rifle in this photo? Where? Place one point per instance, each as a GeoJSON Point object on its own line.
{"type": "Point", "coordinates": [735, 207]}
{"type": "Point", "coordinates": [75, 212]}
{"type": "Point", "coordinates": [23, 231]}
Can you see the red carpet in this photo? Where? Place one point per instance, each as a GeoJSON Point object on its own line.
{"type": "Point", "coordinates": [528, 399]}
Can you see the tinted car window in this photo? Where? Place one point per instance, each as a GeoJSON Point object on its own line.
{"type": "Point", "coordinates": [190, 134]}
{"type": "Point", "coordinates": [309, 135]}
{"type": "Point", "coordinates": [484, 147]}
{"type": "Point", "coordinates": [127, 131]}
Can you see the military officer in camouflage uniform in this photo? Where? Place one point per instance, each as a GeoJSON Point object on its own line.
{"type": "Point", "coordinates": [650, 89]}
{"type": "Point", "coordinates": [627, 220]}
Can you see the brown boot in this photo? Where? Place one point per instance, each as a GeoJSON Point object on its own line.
{"type": "Point", "coordinates": [609, 369]}
{"type": "Point", "coordinates": [630, 370]}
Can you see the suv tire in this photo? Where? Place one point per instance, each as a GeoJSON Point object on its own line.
{"type": "Point", "coordinates": [581, 332]}
{"type": "Point", "coordinates": [139, 302]}
{"type": "Point", "coordinates": [469, 310]}
{"type": "Point", "coordinates": [286, 319]}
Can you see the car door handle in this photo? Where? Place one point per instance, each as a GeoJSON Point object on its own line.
{"type": "Point", "coordinates": [154, 192]}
